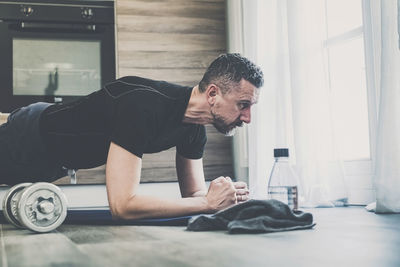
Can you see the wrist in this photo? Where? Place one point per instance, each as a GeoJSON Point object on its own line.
{"type": "Point", "coordinates": [208, 207]}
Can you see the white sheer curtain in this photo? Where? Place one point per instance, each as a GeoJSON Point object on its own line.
{"type": "Point", "coordinates": [317, 160]}
{"type": "Point", "coordinates": [294, 109]}
{"type": "Point", "coordinates": [384, 30]}
{"type": "Point", "coordinates": [249, 35]}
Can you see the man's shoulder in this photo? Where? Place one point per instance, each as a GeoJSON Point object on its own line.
{"type": "Point", "coordinates": [136, 80]}
{"type": "Point", "coordinates": [145, 87]}
{"type": "Point", "coordinates": [157, 99]}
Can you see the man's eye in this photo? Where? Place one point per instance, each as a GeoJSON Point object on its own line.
{"type": "Point", "coordinates": [243, 105]}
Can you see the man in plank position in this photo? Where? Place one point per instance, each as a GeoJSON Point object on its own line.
{"type": "Point", "coordinates": [127, 118]}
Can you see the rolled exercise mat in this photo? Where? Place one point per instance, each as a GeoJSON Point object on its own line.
{"type": "Point", "coordinates": [103, 216]}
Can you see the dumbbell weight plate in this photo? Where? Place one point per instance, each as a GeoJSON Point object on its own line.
{"type": "Point", "coordinates": [10, 204]}
{"type": "Point", "coordinates": [42, 207]}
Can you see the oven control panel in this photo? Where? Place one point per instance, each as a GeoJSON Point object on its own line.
{"type": "Point", "coordinates": [87, 13]}
{"type": "Point", "coordinates": [81, 12]}
{"type": "Point", "coordinates": [27, 10]}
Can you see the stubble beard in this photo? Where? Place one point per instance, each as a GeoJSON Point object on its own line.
{"type": "Point", "coordinates": [223, 127]}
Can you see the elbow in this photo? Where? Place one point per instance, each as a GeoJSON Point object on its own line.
{"type": "Point", "coordinates": [117, 212]}
{"type": "Point", "coordinates": [120, 210]}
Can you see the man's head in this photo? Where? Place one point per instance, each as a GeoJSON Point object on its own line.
{"type": "Point", "coordinates": [231, 85]}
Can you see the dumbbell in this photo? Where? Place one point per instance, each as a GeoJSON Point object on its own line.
{"type": "Point", "coordinates": [40, 207]}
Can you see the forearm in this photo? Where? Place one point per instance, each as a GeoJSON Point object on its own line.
{"type": "Point", "coordinates": [140, 207]}
{"type": "Point", "coordinates": [200, 193]}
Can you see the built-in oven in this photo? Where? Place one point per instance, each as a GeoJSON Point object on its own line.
{"type": "Point", "coordinates": [54, 50]}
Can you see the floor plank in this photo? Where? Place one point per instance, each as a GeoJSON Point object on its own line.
{"type": "Point", "coordinates": [24, 248]}
{"type": "Point", "coordinates": [342, 237]}
{"type": "Point", "coordinates": [3, 255]}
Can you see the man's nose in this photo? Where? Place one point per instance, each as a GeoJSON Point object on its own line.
{"type": "Point", "coordinates": [245, 116]}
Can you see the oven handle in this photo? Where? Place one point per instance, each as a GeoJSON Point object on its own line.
{"type": "Point", "coordinates": [65, 27]}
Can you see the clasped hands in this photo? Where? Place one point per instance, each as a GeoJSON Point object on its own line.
{"type": "Point", "coordinates": [223, 193]}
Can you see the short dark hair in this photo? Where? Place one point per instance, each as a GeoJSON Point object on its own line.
{"type": "Point", "coordinates": [231, 68]}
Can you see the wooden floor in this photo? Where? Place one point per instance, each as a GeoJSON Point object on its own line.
{"type": "Point", "coordinates": [342, 237]}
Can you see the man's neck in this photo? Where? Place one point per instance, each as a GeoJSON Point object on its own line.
{"type": "Point", "coordinates": [198, 110]}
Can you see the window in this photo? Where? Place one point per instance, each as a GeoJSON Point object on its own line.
{"type": "Point", "coordinates": [351, 94]}
{"type": "Point", "coordinates": [347, 77]}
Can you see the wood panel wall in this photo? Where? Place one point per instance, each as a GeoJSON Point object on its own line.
{"type": "Point", "coordinates": [175, 41]}
{"type": "Point", "coordinates": [172, 40]}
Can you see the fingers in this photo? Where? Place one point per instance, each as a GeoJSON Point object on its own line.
{"type": "Point", "coordinates": [242, 198]}
{"type": "Point", "coordinates": [225, 182]}
{"type": "Point", "coordinates": [221, 194]}
{"type": "Point", "coordinates": [220, 179]}
{"type": "Point", "coordinates": [240, 188]}
{"type": "Point", "coordinates": [223, 179]}
{"type": "Point", "coordinates": [242, 191]}
{"type": "Point", "coordinates": [227, 178]}
{"type": "Point", "coordinates": [240, 185]}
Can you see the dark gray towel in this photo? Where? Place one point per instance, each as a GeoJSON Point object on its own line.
{"type": "Point", "coordinates": [253, 216]}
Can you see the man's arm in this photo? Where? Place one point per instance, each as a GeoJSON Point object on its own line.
{"type": "Point", "coordinates": [190, 176]}
{"type": "Point", "coordinates": [192, 183]}
{"type": "Point", "coordinates": [123, 176]}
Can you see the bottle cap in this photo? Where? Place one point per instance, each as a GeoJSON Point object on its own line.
{"type": "Point", "coordinates": [281, 152]}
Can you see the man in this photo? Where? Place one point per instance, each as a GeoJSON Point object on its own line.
{"type": "Point", "coordinates": [127, 118]}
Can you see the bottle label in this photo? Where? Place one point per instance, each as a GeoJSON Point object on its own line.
{"type": "Point", "coordinates": [285, 194]}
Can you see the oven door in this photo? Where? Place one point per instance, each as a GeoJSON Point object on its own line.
{"type": "Point", "coordinates": [53, 62]}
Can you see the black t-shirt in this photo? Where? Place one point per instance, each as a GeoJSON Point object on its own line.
{"type": "Point", "coordinates": [140, 115]}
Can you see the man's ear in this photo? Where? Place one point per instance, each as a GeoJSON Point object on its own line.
{"type": "Point", "coordinates": [211, 92]}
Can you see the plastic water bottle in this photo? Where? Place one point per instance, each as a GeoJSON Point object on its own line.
{"type": "Point", "coordinates": [283, 182]}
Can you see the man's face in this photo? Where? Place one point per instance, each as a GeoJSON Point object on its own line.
{"type": "Point", "coordinates": [233, 108]}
